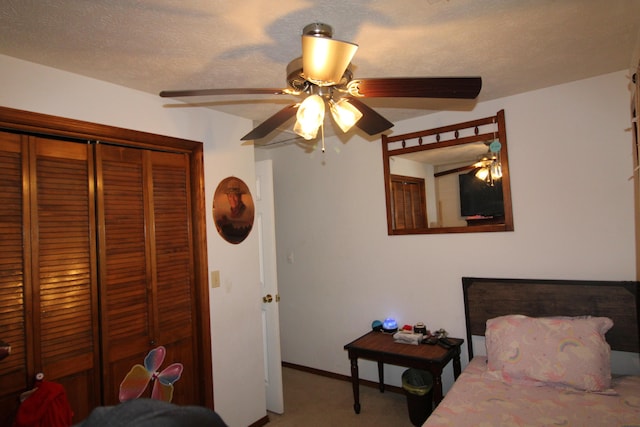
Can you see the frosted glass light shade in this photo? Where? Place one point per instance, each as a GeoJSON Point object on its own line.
{"type": "Point", "coordinates": [309, 117]}
{"type": "Point", "coordinates": [482, 173]}
{"type": "Point", "coordinates": [496, 169]}
{"type": "Point", "coordinates": [325, 60]}
{"type": "Point", "coordinates": [345, 114]}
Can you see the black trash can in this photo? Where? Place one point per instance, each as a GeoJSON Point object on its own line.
{"type": "Point", "coordinates": [418, 387]}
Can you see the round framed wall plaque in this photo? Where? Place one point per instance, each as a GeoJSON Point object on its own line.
{"type": "Point", "coordinates": [233, 210]}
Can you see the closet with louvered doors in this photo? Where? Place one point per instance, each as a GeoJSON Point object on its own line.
{"type": "Point", "coordinates": [102, 258]}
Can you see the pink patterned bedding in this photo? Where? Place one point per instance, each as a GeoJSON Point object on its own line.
{"type": "Point", "coordinates": [478, 400]}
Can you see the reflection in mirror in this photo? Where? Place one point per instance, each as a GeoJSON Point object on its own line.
{"type": "Point", "coordinates": [452, 179]}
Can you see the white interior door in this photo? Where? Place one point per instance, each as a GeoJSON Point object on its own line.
{"type": "Point", "coordinates": [269, 281]}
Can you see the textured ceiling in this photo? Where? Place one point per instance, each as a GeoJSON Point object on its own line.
{"type": "Point", "coordinates": [151, 45]}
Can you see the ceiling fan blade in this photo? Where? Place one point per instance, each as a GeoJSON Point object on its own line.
{"type": "Point", "coordinates": [456, 170]}
{"type": "Point", "coordinates": [233, 91]}
{"type": "Point", "coordinates": [269, 125]}
{"type": "Point", "coordinates": [293, 139]}
{"type": "Point", "coordinates": [371, 122]}
{"type": "Point", "coordinates": [417, 87]}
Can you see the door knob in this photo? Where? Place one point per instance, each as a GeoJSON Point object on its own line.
{"type": "Point", "coordinates": [269, 298]}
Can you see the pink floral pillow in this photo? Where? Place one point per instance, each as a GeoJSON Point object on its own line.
{"type": "Point", "coordinates": [564, 351]}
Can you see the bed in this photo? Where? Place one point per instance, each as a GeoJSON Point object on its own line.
{"type": "Point", "coordinates": [542, 355]}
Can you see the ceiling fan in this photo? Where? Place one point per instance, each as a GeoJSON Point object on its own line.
{"type": "Point", "coordinates": [323, 76]}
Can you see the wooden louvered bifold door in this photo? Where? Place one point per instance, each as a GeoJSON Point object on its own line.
{"type": "Point", "coordinates": [65, 330]}
{"type": "Point", "coordinates": [51, 247]}
{"type": "Point", "coordinates": [13, 294]}
{"type": "Point", "coordinates": [147, 264]}
{"type": "Point", "coordinates": [173, 259]}
{"type": "Point", "coordinates": [408, 202]}
{"type": "Point", "coordinates": [124, 274]}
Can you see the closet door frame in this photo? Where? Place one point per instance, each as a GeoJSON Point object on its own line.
{"type": "Point", "coordinates": [25, 121]}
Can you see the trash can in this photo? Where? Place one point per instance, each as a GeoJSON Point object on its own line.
{"type": "Point", "coordinates": [418, 387]}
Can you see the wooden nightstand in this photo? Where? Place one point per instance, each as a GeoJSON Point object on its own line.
{"type": "Point", "coordinates": [381, 347]}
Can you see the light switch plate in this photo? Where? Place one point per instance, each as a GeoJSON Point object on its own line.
{"type": "Point", "coordinates": [215, 279]}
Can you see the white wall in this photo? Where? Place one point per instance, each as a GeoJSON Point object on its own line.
{"type": "Point", "coordinates": [235, 306]}
{"type": "Point", "coordinates": [570, 160]}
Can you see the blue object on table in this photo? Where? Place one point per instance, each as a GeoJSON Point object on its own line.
{"type": "Point", "coordinates": [390, 325]}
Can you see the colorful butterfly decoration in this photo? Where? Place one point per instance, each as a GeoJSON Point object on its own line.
{"type": "Point", "coordinates": [136, 381]}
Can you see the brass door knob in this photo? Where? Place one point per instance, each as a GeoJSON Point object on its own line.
{"type": "Point", "coordinates": [268, 298]}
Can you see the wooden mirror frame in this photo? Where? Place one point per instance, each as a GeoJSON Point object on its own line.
{"type": "Point", "coordinates": [443, 137]}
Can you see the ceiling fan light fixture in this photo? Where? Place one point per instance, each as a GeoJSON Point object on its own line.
{"type": "Point", "coordinates": [309, 117]}
{"type": "Point", "coordinates": [325, 60]}
{"type": "Point", "coordinates": [482, 173]}
{"type": "Point", "coordinates": [324, 69]}
{"type": "Point", "coordinates": [344, 113]}
{"type": "Point", "coordinates": [496, 169]}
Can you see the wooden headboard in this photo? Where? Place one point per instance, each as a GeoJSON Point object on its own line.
{"type": "Point", "coordinates": [488, 298]}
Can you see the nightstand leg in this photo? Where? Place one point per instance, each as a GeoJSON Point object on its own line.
{"type": "Point", "coordinates": [381, 376]}
{"type": "Point", "coordinates": [437, 387]}
{"type": "Point", "coordinates": [355, 384]}
{"type": "Point", "coordinates": [457, 369]}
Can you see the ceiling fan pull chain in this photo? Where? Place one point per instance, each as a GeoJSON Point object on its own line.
{"type": "Point", "coordinates": [322, 135]}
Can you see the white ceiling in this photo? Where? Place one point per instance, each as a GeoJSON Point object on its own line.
{"type": "Point", "coordinates": [152, 45]}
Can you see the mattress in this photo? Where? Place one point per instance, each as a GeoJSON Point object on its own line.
{"type": "Point", "coordinates": [478, 400]}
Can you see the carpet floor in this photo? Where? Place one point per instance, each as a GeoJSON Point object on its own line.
{"type": "Point", "coordinates": [312, 400]}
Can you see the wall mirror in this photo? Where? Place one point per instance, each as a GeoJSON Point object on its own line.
{"type": "Point", "coordinates": [451, 179]}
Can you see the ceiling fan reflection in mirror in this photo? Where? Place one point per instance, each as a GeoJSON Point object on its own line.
{"type": "Point", "coordinates": [323, 76]}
